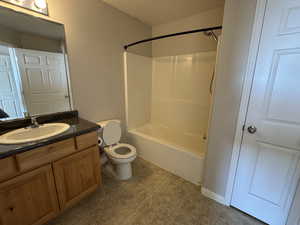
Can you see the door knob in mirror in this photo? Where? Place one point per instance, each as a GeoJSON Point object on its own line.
{"type": "Point", "coordinates": [252, 129]}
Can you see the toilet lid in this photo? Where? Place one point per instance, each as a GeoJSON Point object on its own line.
{"type": "Point", "coordinates": [121, 151]}
{"type": "Point", "coordinates": [112, 132]}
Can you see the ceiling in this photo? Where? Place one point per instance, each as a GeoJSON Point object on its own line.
{"type": "Point", "coordinates": [154, 12]}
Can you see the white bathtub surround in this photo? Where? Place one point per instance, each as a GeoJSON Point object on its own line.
{"type": "Point", "coordinates": [138, 85]}
{"type": "Point", "coordinates": [172, 157]}
{"type": "Point", "coordinates": [167, 118]}
{"type": "Point", "coordinates": [186, 142]}
{"type": "Point", "coordinates": [180, 92]}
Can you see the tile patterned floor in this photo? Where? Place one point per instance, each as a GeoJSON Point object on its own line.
{"type": "Point", "coordinates": [152, 197]}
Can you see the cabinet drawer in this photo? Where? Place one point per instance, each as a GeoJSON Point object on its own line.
{"type": "Point", "coordinates": [45, 154]}
{"type": "Point", "coordinates": [8, 168]}
{"type": "Point", "coordinates": [87, 140]}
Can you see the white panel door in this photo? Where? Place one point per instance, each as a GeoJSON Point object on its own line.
{"type": "Point", "coordinates": [44, 81]}
{"type": "Point", "coordinates": [268, 171]}
{"type": "Point", "coordinates": [294, 216]}
{"type": "Point", "coordinates": [9, 99]}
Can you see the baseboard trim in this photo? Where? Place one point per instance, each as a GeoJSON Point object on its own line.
{"type": "Point", "coordinates": [212, 195]}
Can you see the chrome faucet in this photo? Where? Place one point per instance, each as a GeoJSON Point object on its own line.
{"type": "Point", "coordinates": [34, 122]}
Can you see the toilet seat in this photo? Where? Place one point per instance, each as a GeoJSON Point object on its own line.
{"type": "Point", "coordinates": [112, 151]}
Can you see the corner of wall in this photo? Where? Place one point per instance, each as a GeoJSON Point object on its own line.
{"type": "Point", "coordinates": [230, 72]}
{"type": "Point", "coordinates": [212, 195]}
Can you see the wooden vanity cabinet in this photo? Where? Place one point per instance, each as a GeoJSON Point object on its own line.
{"type": "Point", "coordinates": [48, 180]}
{"type": "Point", "coordinates": [45, 154]}
{"type": "Point", "coordinates": [8, 168]}
{"type": "Point", "coordinates": [29, 199]}
{"type": "Point", "coordinates": [86, 140]}
{"type": "Point", "coordinates": [76, 176]}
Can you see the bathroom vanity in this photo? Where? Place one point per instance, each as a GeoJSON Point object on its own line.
{"type": "Point", "coordinates": [43, 169]}
{"type": "Point", "coordinates": [38, 180]}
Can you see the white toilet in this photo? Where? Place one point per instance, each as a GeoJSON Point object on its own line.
{"type": "Point", "coordinates": [121, 155]}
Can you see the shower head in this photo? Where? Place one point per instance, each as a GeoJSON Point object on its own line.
{"type": "Point", "coordinates": [211, 34]}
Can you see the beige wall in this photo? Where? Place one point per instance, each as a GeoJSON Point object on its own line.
{"type": "Point", "coordinates": [9, 36]}
{"type": "Point", "coordinates": [28, 41]}
{"type": "Point", "coordinates": [190, 43]}
{"type": "Point", "coordinates": [95, 34]}
{"type": "Point", "coordinates": [231, 66]}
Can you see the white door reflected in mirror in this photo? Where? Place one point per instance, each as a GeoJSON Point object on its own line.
{"type": "Point", "coordinates": [33, 81]}
{"type": "Point", "coordinates": [44, 81]}
{"type": "Point", "coordinates": [34, 71]}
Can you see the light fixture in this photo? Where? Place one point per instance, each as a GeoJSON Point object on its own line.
{"type": "Point", "coordinates": [40, 4]}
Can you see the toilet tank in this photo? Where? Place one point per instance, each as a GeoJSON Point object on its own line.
{"type": "Point", "coordinates": [110, 131]}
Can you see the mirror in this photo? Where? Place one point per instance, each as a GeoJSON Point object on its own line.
{"type": "Point", "coordinates": [34, 77]}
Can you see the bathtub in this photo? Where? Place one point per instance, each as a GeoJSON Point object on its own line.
{"type": "Point", "coordinates": [180, 154]}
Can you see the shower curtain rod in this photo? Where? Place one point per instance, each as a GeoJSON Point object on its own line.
{"type": "Point", "coordinates": [172, 35]}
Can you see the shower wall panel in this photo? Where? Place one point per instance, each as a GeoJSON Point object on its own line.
{"type": "Point", "coordinates": [181, 93]}
{"type": "Point", "coordinates": [138, 80]}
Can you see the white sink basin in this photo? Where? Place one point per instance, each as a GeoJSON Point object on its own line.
{"type": "Point", "coordinates": [25, 135]}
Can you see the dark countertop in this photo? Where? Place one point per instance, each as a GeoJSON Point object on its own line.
{"type": "Point", "coordinates": [78, 126]}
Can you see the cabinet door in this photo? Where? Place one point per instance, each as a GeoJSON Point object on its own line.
{"type": "Point", "coordinates": [76, 176]}
{"type": "Point", "coordinates": [29, 199]}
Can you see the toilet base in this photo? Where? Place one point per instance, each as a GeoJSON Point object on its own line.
{"type": "Point", "coordinates": [123, 171]}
